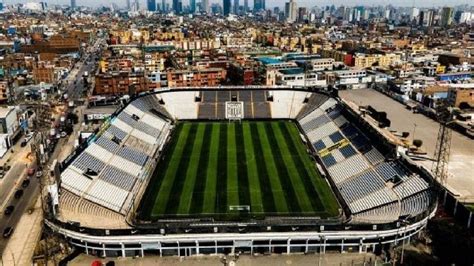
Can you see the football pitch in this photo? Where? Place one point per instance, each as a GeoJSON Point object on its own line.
{"type": "Point", "coordinates": [236, 170]}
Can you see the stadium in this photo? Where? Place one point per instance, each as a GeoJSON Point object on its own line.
{"type": "Point", "coordinates": [184, 171]}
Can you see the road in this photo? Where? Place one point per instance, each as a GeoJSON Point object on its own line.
{"type": "Point", "coordinates": [21, 205]}
{"type": "Point", "coordinates": [75, 91]}
{"type": "Point", "coordinates": [15, 176]}
{"type": "Point", "coordinates": [10, 183]}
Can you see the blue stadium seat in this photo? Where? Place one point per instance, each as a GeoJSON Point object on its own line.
{"type": "Point", "coordinates": [348, 151]}
{"type": "Point", "coordinates": [319, 145]}
{"type": "Point", "coordinates": [329, 160]}
{"type": "Point", "coordinates": [336, 137]}
{"type": "Point", "coordinates": [361, 143]}
{"type": "Point", "coordinates": [349, 130]}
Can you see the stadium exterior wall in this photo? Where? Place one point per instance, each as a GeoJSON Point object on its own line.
{"type": "Point", "coordinates": [259, 242]}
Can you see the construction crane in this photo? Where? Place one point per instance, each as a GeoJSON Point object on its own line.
{"type": "Point", "coordinates": [443, 144]}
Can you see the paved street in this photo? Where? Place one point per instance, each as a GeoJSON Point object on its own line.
{"type": "Point", "coordinates": [21, 205]}
{"type": "Point", "coordinates": [19, 160]}
{"type": "Point", "coordinates": [10, 183]}
{"type": "Point", "coordinates": [75, 91]}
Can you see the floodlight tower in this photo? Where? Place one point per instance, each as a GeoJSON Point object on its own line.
{"type": "Point", "coordinates": [443, 144]}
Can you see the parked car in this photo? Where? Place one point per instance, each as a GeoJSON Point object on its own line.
{"type": "Point", "coordinates": [8, 232]}
{"type": "Point", "coordinates": [9, 210]}
{"type": "Point", "coordinates": [23, 143]}
{"type": "Point", "coordinates": [18, 193]}
{"type": "Point", "coordinates": [25, 183]}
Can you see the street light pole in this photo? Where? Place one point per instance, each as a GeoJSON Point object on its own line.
{"type": "Point", "coordinates": [414, 128]}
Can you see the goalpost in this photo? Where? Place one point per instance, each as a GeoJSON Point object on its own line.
{"type": "Point", "coordinates": [234, 111]}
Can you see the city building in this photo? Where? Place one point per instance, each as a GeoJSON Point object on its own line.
{"type": "Point", "coordinates": [8, 120]}
{"type": "Point", "coordinates": [322, 64]}
{"type": "Point", "coordinates": [163, 6]}
{"type": "Point", "coordinates": [4, 91]}
{"type": "Point", "coordinates": [296, 77]}
{"type": "Point", "coordinates": [258, 5]}
{"type": "Point", "coordinates": [291, 11]}
{"type": "Point", "coordinates": [302, 14]}
{"type": "Point", "coordinates": [45, 73]}
{"type": "Point", "coordinates": [120, 83]}
{"type": "Point", "coordinates": [192, 6]}
{"type": "Point", "coordinates": [461, 95]}
{"type": "Point", "coordinates": [177, 6]}
{"type": "Point", "coordinates": [151, 5]}
{"type": "Point", "coordinates": [205, 6]}
{"type": "Point", "coordinates": [227, 6]}
{"type": "Point", "coordinates": [447, 16]}
{"type": "Point", "coordinates": [196, 77]}
{"type": "Point", "coordinates": [235, 7]}
{"type": "Point", "coordinates": [426, 18]}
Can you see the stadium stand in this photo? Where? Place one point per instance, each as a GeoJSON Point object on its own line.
{"type": "Point", "coordinates": [212, 105]}
{"type": "Point", "coordinates": [373, 189]}
{"type": "Point", "coordinates": [313, 103]}
{"type": "Point", "coordinates": [181, 104]}
{"type": "Point", "coordinates": [71, 204]}
{"type": "Point", "coordinates": [109, 171]}
{"type": "Point", "coordinates": [415, 204]}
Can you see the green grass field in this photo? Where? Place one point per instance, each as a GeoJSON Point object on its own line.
{"type": "Point", "coordinates": [236, 171]}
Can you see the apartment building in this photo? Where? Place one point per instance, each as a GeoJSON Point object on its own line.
{"type": "Point", "coordinates": [369, 60]}
{"type": "Point", "coordinates": [322, 64]}
{"type": "Point", "coordinates": [351, 78]}
{"type": "Point", "coordinates": [196, 77]}
{"type": "Point", "coordinates": [461, 95]}
{"type": "Point", "coordinates": [298, 77]}
{"type": "Point", "coordinates": [44, 72]}
{"type": "Point", "coordinates": [119, 83]}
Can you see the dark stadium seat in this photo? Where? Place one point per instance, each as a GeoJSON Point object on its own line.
{"type": "Point", "coordinates": [335, 112]}
{"type": "Point", "coordinates": [319, 145]}
{"type": "Point", "coordinates": [361, 143]}
{"type": "Point", "coordinates": [336, 137]}
{"type": "Point", "coordinates": [329, 160]}
{"type": "Point", "coordinates": [348, 151]}
{"type": "Point", "coordinates": [349, 130]}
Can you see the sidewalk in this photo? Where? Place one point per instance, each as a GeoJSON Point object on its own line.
{"type": "Point", "coordinates": [22, 244]}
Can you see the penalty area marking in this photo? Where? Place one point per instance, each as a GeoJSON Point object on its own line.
{"type": "Point", "coordinates": [239, 208]}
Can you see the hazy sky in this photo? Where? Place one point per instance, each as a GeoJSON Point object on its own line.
{"type": "Point", "coordinates": [272, 3]}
